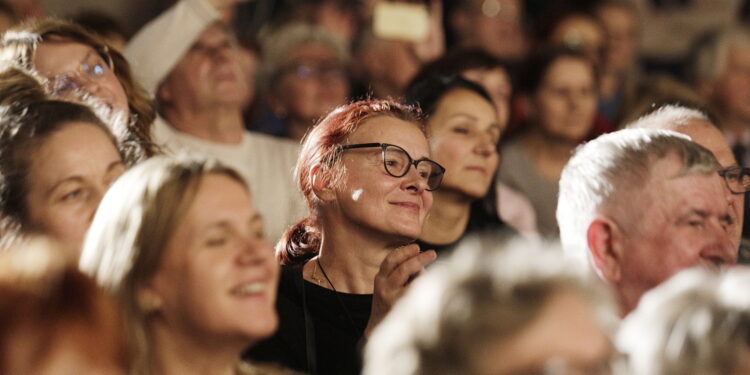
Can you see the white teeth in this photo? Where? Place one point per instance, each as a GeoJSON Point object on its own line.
{"type": "Point", "coordinates": [249, 288]}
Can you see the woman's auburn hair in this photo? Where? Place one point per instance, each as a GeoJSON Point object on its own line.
{"type": "Point", "coordinates": [321, 147]}
{"type": "Point", "coordinates": [18, 46]}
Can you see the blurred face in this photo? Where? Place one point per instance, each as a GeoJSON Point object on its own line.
{"type": "Point", "coordinates": [621, 29]}
{"type": "Point", "coordinates": [494, 26]}
{"type": "Point", "coordinates": [463, 138]}
{"type": "Point", "coordinates": [218, 276]}
{"type": "Point", "coordinates": [72, 352]}
{"type": "Point", "coordinates": [565, 103]}
{"type": "Point", "coordinates": [370, 199]}
{"type": "Point", "coordinates": [563, 339]}
{"type": "Point", "coordinates": [209, 74]}
{"type": "Point", "coordinates": [582, 33]}
{"type": "Point", "coordinates": [733, 86]}
{"type": "Point", "coordinates": [497, 83]}
{"type": "Point", "coordinates": [76, 69]}
{"type": "Point", "coordinates": [708, 136]}
{"type": "Point", "coordinates": [311, 83]}
{"type": "Point", "coordinates": [685, 221]}
{"type": "Point", "coordinates": [68, 175]}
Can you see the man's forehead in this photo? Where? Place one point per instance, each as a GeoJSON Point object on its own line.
{"type": "Point", "coordinates": [214, 34]}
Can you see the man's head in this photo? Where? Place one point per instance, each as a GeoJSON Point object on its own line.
{"type": "Point", "coordinates": [703, 131]}
{"type": "Point", "coordinates": [722, 72]}
{"type": "Point", "coordinates": [494, 26]}
{"type": "Point", "coordinates": [208, 75]}
{"type": "Point", "coordinates": [638, 205]}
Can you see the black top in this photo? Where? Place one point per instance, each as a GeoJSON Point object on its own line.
{"type": "Point", "coordinates": [337, 329]}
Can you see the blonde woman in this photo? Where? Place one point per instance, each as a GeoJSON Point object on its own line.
{"type": "Point", "coordinates": [180, 244]}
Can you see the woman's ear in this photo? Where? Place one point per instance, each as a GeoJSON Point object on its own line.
{"type": "Point", "coordinates": [148, 300]}
{"type": "Point", "coordinates": [321, 181]}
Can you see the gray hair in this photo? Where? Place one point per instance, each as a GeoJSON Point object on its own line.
{"type": "Point", "coordinates": [710, 58]}
{"type": "Point", "coordinates": [698, 322]}
{"type": "Point", "coordinates": [278, 44]}
{"type": "Point", "coordinates": [669, 117]}
{"type": "Point", "coordinates": [476, 298]}
{"type": "Point", "coordinates": [602, 173]}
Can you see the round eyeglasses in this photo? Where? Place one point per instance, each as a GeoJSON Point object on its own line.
{"type": "Point", "coordinates": [397, 163]}
{"type": "Point", "coordinates": [92, 69]}
{"type": "Point", "coordinates": [737, 179]}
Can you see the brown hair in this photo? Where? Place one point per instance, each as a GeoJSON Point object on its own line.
{"type": "Point", "coordinates": [45, 304]}
{"type": "Point", "coordinates": [321, 147]}
{"type": "Point", "coordinates": [27, 119]}
{"type": "Point", "coordinates": [18, 46]}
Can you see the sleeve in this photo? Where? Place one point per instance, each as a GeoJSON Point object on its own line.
{"type": "Point", "coordinates": [159, 45]}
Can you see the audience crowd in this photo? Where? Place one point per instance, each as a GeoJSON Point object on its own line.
{"type": "Point", "coordinates": [373, 187]}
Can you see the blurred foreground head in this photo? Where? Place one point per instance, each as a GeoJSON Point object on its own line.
{"type": "Point", "coordinates": [53, 319]}
{"type": "Point", "coordinates": [508, 311]}
{"type": "Point", "coordinates": [698, 322]}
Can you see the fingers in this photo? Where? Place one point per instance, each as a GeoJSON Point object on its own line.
{"type": "Point", "coordinates": [404, 263]}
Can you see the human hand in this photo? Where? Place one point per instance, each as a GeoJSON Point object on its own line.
{"type": "Point", "coordinates": [394, 276]}
{"type": "Point", "coordinates": [434, 46]}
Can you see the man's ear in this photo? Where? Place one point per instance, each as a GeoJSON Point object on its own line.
{"type": "Point", "coordinates": [321, 184]}
{"type": "Point", "coordinates": [604, 239]}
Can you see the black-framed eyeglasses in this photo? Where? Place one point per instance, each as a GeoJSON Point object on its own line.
{"type": "Point", "coordinates": [397, 162]}
{"type": "Point", "coordinates": [737, 179]}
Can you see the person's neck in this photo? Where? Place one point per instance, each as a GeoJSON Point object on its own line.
{"type": "Point", "coordinates": [220, 124]}
{"type": "Point", "coordinates": [448, 217]}
{"type": "Point", "coordinates": [351, 257]}
{"type": "Point", "coordinates": [550, 154]}
{"type": "Point", "coordinates": [609, 84]}
{"type": "Point", "coordinates": [174, 353]}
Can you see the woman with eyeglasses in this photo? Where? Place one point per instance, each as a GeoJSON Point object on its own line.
{"type": "Point", "coordinates": [368, 180]}
{"type": "Point", "coordinates": [78, 66]}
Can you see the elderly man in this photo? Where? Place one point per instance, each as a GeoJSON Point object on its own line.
{"type": "Point", "coordinates": [639, 205]}
{"type": "Point", "coordinates": [201, 89]}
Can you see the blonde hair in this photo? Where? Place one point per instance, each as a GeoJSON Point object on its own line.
{"type": "Point", "coordinates": [135, 220]}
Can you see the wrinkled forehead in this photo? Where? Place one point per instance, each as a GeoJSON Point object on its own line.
{"type": "Point", "coordinates": [215, 34]}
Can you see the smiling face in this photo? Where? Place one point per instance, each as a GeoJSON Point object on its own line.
{"type": "Point", "coordinates": [217, 278]}
{"type": "Point", "coordinates": [68, 174]}
{"type": "Point", "coordinates": [58, 57]}
{"type": "Point", "coordinates": [686, 221]}
{"type": "Point", "coordinates": [565, 103]}
{"type": "Point", "coordinates": [370, 200]}
{"type": "Point", "coordinates": [463, 138]}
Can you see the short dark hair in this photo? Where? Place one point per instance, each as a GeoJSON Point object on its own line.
{"type": "Point", "coordinates": [426, 94]}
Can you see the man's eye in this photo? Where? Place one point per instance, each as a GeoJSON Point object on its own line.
{"type": "Point", "coordinates": [216, 241]}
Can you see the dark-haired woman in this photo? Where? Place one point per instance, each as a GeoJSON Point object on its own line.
{"type": "Point", "coordinates": [464, 135]}
{"type": "Point", "coordinates": [57, 159]}
{"type": "Point", "coordinates": [560, 92]}
{"type": "Point", "coordinates": [368, 180]}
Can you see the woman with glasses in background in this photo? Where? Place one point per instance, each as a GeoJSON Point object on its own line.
{"type": "Point", "coordinates": [78, 67]}
{"type": "Point", "coordinates": [368, 180]}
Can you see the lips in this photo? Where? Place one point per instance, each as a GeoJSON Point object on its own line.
{"type": "Point", "coordinates": [476, 168]}
{"type": "Point", "coordinates": [251, 288]}
{"type": "Point", "coordinates": [408, 205]}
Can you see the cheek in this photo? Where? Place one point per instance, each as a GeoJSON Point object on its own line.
{"type": "Point", "coordinates": [448, 150]}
